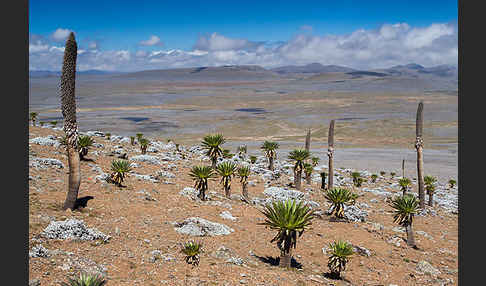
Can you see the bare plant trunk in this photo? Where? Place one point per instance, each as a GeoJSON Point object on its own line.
{"type": "Point", "coordinates": [68, 108]}
{"type": "Point", "coordinates": [330, 154]}
{"type": "Point", "coordinates": [74, 178]}
{"type": "Point", "coordinates": [323, 182]}
{"type": "Point", "coordinates": [270, 163]}
{"type": "Point", "coordinates": [431, 198]}
{"type": "Point", "coordinates": [213, 162]}
{"type": "Point", "coordinates": [202, 193]}
{"type": "Point", "coordinates": [227, 190]}
{"type": "Point", "coordinates": [285, 258]}
{"type": "Point", "coordinates": [308, 179]}
{"type": "Point", "coordinates": [297, 179]}
{"type": "Point", "coordinates": [410, 237]}
{"type": "Point", "coordinates": [419, 146]}
{"type": "Point", "coordinates": [307, 141]}
{"type": "Point", "coordinates": [244, 191]}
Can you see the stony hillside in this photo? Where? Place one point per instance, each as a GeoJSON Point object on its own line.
{"type": "Point", "coordinates": [133, 235]}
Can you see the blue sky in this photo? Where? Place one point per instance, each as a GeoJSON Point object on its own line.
{"type": "Point", "coordinates": [187, 26]}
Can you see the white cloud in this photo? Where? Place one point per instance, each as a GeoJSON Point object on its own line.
{"type": "Point", "coordinates": [388, 45]}
{"type": "Point", "coordinates": [60, 34]}
{"type": "Point", "coordinates": [154, 40]}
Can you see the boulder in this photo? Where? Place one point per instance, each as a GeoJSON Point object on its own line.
{"type": "Point", "coordinates": [196, 226]}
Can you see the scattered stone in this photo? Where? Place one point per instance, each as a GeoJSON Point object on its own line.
{"type": "Point", "coordinates": [361, 251]}
{"type": "Point", "coordinates": [146, 158]}
{"type": "Point", "coordinates": [353, 213]}
{"type": "Point", "coordinates": [196, 226]}
{"type": "Point", "coordinates": [34, 282]}
{"type": "Point", "coordinates": [227, 215]}
{"type": "Point", "coordinates": [46, 141]}
{"type": "Point", "coordinates": [426, 268]}
{"type": "Point", "coordinates": [395, 241]}
{"type": "Point", "coordinates": [72, 229]}
{"type": "Point", "coordinates": [44, 163]}
{"type": "Point", "coordinates": [39, 251]}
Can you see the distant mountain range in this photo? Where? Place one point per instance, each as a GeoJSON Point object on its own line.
{"type": "Point", "coordinates": [254, 72]}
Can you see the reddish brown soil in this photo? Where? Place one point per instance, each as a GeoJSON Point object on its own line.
{"type": "Point", "coordinates": [126, 255]}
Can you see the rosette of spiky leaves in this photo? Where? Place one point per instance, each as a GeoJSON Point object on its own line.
{"type": "Point", "coordinates": [356, 176]}
{"type": "Point", "coordinates": [315, 161]}
{"type": "Point", "coordinates": [452, 183]}
{"type": "Point", "coordinates": [192, 250]}
{"type": "Point", "coordinates": [84, 142]}
{"type": "Point", "coordinates": [85, 279]}
{"type": "Point", "coordinates": [299, 156]}
{"type": "Point", "coordinates": [139, 136]}
{"type": "Point", "coordinates": [33, 117]}
{"type": "Point", "coordinates": [339, 197]}
{"type": "Point", "coordinates": [430, 184]}
{"type": "Point", "coordinates": [226, 170]}
{"type": "Point", "coordinates": [213, 146]}
{"type": "Point", "coordinates": [405, 207]}
{"type": "Point", "coordinates": [308, 169]}
{"type": "Point", "coordinates": [289, 219]}
{"type": "Point", "coordinates": [374, 177]}
{"type": "Point", "coordinates": [227, 154]}
{"type": "Point", "coordinates": [108, 136]}
{"type": "Point", "coordinates": [393, 174]}
{"type": "Point", "coordinates": [244, 173]}
{"type": "Point", "coordinates": [382, 173]}
{"type": "Point", "coordinates": [242, 149]}
{"type": "Point", "coordinates": [119, 169]}
{"type": "Point", "coordinates": [340, 253]}
{"type": "Point", "coordinates": [270, 149]}
{"type": "Point", "coordinates": [62, 140]}
{"type": "Point", "coordinates": [132, 140]}
{"type": "Point", "coordinates": [404, 184]}
{"type": "Point", "coordinates": [200, 176]}
{"type": "Point", "coordinates": [144, 142]}
{"type": "Point", "coordinates": [253, 159]}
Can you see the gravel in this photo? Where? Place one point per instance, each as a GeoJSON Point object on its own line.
{"type": "Point", "coordinates": [46, 141]}
{"type": "Point", "coordinates": [39, 251]}
{"type": "Point", "coordinates": [196, 226]}
{"type": "Point", "coordinates": [44, 163]}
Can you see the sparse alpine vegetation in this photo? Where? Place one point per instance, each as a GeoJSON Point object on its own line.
{"type": "Point", "coordinates": [120, 169]}
{"type": "Point", "coordinates": [340, 253]}
{"type": "Point", "coordinates": [405, 207]}
{"type": "Point", "coordinates": [213, 146]}
{"type": "Point", "coordinates": [85, 279]}
{"type": "Point", "coordinates": [339, 197]}
{"type": "Point", "coordinates": [192, 251]}
{"type": "Point", "coordinates": [226, 170]}
{"type": "Point", "coordinates": [84, 142]}
{"type": "Point", "coordinates": [270, 149]}
{"type": "Point", "coordinates": [299, 156]}
{"type": "Point", "coordinates": [200, 175]}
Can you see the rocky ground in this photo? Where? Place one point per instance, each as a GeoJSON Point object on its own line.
{"type": "Point", "coordinates": [132, 235]}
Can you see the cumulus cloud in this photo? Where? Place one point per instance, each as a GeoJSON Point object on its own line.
{"type": "Point", "coordinates": [154, 40]}
{"type": "Point", "coordinates": [216, 42]}
{"type": "Point", "coordinates": [388, 45]}
{"type": "Point", "coordinates": [60, 34]}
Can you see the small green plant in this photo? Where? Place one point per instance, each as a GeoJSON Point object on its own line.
{"type": "Point", "coordinates": [108, 136]}
{"type": "Point", "coordinates": [253, 159]}
{"type": "Point", "coordinates": [270, 149]}
{"type": "Point", "coordinates": [144, 142]}
{"type": "Point", "coordinates": [244, 173]}
{"type": "Point", "coordinates": [213, 146]}
{"type": "Point", "coordinates": [382, 173]}
{"type": "Point", "coordinates": [299, 156]}
{"type": "Point", "coordinates": [226, 170]}
{"type": "Point", "coordinates": [315, 161]}
{"type": "Point", "coordinates": [393, 174]}
{"type": "Point", "coordinates": [242, 149]}
{"type": "Point", "coordinates": [373, 178]}
{"type": "Point", "coordinates": [132, 140]}
{"type": "Point", "coordinates": [339, 197]}
{"type": "Point", "coordinates": [405, 207]}
{"type": "Point", "coordinates": [404, 184]}
{"type": "Point", "coordinates": [452, 183]}
{"type": "Point", "coordinates": [290, 219]}
{"type": "Point", "coordinates": [42, 123]}
{"type": "Point", "coordinates": [340, 253]}
{"type": "Point", "coordinates": [200, 175]}
{"type": "Point", "coordinates": [119, 169]}
{"type": "Point", "coordinates": [84, 142]}
{"type": "Point", "coordinates": [357, 179]}
{"type": "Point", "coordinates": [85, 279]}
{"type": "Point", "coordinates": [33, 117]}
{"type": "Point", "coordinates": [227, 154]}
{"type": "Point", "coordinates": [139, 136]}
{"type": "Point", "coordinates": [308, 169]}
{"type": "Point", "coordinates": [192, 250]}
{"type": "Point", "coordinates": [430, 188]}
{"type": "Point", "coordinates": [54, 123]}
